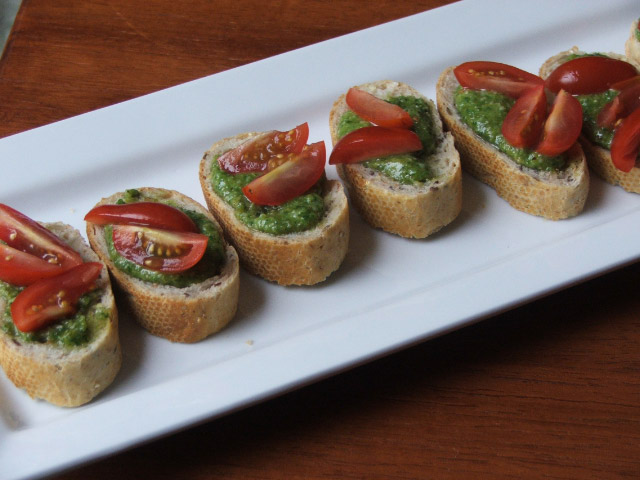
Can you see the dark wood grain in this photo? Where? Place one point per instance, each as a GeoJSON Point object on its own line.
{"type": "Point", "coordinates": [548, 390]}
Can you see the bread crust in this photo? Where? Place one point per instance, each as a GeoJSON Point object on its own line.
{"type": "Point", "coordinates": [405, 210]}
{"type": "Point", "coordinates": [598, 158]}
{"type": "Point", "coordinates": [304, 258]}
{"type": "Point", "coordinates": [184, 315]}
{"type": "Point", "coordinates": [550, 195]}
{"type": "Point", "coordinates": [67, 377]}
{"type": "Point", "coordinates": [632, 45]}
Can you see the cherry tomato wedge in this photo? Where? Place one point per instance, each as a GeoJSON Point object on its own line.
{"type": "Point", "coordinates": [563, 125]}
{"type": "Point", "coordinates": [626, 142]}
{"type": "Point", "coordinates": [592, 74]}
{"type": "Point", "coordinates": [373, 142]}
{"type": "Point", "coordinates": [254, 154]}
{"type": "Point", "coordinates": [497, 77]}
{"type": "Point", "coordinates": [46, 301]}
{"type": "Point", "coordinates": [623, 104]}
{"type": "Point", "coordinates": [22, 233]}
{"type": "Point", "coordinates": [375, 110]}
{"type": "Point", "coordinates": [289, 180]}
{"type": "Point", "coordinates": [22, 269]}
{"type": "Point", "coordinates": [160, 250]}
{"type": "Point", "coordinates": [523, 124]}
{"type": "Point", "coordinates": [146, 214]}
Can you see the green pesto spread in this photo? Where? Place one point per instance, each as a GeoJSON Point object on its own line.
{"type": "Point", "coordinates": [637, 32]}
{"type": "Point", "coordinates": [210, 264]}
{"type": "Point", "coordinates": [484, 112]}
{"type": "Point", "coordinates": [74, 331]}
{"type": "Point", "coordinates": [591, 106]}
{"type": "Point", "coordinates": [297, 215]}
{"type": "Point", "coordinates": [409, 168]}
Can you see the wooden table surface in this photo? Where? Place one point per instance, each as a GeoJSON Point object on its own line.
{"type": "Point", "coordinates": [548, 390]}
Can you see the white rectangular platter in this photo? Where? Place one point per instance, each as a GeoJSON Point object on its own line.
{"type": "Point", "coordinates": [389, 293]}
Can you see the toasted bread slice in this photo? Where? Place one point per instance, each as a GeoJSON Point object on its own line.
{"type": "Point", "coordinates": [552, 195]}
{"type": "Point", "coordinates": [303, 258]}
{"type": "Point", "coordinates": [599, 158]}
{"type": "Point", "coordinates": [186, 314]}
{"type": "Point", "coordinates": [66, 376]}
{"type": "Point", "coordinates": [412, 211]}
{"type": "Point", "coordinates": [632, 45]}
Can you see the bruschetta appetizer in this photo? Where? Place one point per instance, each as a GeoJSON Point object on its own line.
{"type": "Point", "coordinates": [59, 326]}
{"type": "Point", "coordinates": [512, 140]}
{"type": "Point", "coordinates": [632, 45]}
{"type": "Point", "coordinates": [608, 88]}
{"type": "Point", "coordinates": [269, 191]}
{"type": "Point", "coordinates": [402, 172]}
{"type": "Point", "coordinates": [167, 255]}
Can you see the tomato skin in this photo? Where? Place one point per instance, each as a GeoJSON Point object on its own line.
{"type": "Point", "coordinates": [524, 122]}
{"type": "Point", "coordinates": [146, 214]}
{"type": "Point", "coordinates": [289, 180]}
{"type": "Point", "coordinates": [591, 74]}
{"type": "Point", "coordinates": [373, 142]}
{"type": "Point", "coordinates": [254, 154]}
{"type": "Point", "coordinates": [375, 110]}
{"type": "Point", "coordinates": [22, 269]}
{"type": "Point", "coordinates": [497, 77]}
{"type": "Point", "coordinates": [626, 142]}
{"type": "Point", "coordinates": [48, 300]}
{"type": "Point", "coordinates": [160, 250]}
{"type": "Point", "coordinates": [623, 104]}
{"type": "Point", "coordinates": [22, 233]}
{"type": "Point", "coordinates": [563, 125]}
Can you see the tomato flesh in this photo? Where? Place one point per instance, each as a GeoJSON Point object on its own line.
{"type": "Point", "coordinates": [622, 105]}
{"type": "Point", "coordinates": [160, 250]}
{"type": "Point", "coordinates": [373, 142]}
{"type": "Point", "coordinates": [497, 77]}
{"type": "Point", "coordinates": [22, 233]}
{"type": "Point", "coordinates": [255, 154]}
{"type": "Point", "coordinates": [375, 110]}
{"type": "Point", "coordinates": [51, 299]}
{"type": "Point", "coordinates": [289, 180]}
{"type": "Point", "coordinates": [21, 269]}
{"type": "Point", "coordinates": [524, 122]}
{"type": "Point", "coordinates": [563, 125]}
{"type": "Point", "coordinates": [626, 142]}
{"type": "Point", "coordinates": [145, 214]}
{"type": "Point", "coordinates": [592, 74]}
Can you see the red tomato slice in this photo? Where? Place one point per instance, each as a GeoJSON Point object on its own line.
{"type": "Point", "coordinates": [373, 142]}
{"type": "Point", "coordinates": [289, 180]}
{"type": "Point", "coordinates": [46, 301]}
{"type": "Point", "coordinates": [591, 74]}
{"type": "Point", "coordinates": [626, 142]}
{"type": "Point", "coordinates": [20, 268]}
{"type": "Point", "coordinates": [22, 233]}
{"type": "Point", "coordinates": [497, 77]}
{"type": "Point", "coordinates": [161, 250]}
{"type": "Point", "coordinates": [523, 124]}
{"type": "Point", "coordinates": [146, 214]}
{"type": "Point", "coordinates": [611, 113]}
{"type": "Point", "coordinates": [375, 110]}
{"type": "Point", "coordinates": [623, 104]}
{"type": "Point", "coordinates": [254, 154]}
{"type": "Point", "coordinates": [562, 128]}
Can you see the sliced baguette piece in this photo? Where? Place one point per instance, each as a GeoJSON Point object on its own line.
{"type": "Point", "coordinates": [599, 158]}
{"type": "Point", "coordinates": [183, 315]}
{"type": "Point", "coordinates": [412, 211]}
{"type": "Point", "coordinates": [67, 377]}
{"type": "Point", "coordinates": [632, 45]}
{"type": "Point", "coordinates": [304, 258]}
{"type": "Point", "coordinates": [552, 195]}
